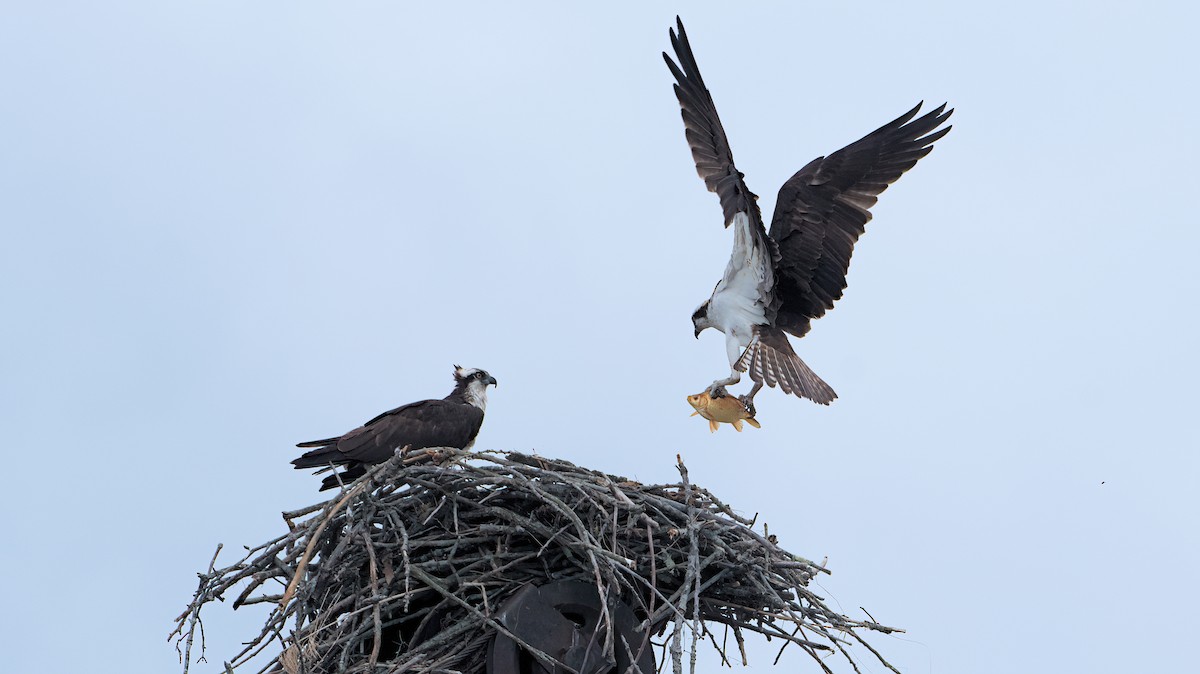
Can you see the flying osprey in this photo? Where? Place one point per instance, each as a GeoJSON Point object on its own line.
{"type": "Point", "coordinates": [776, 283]}
{"type": "Point", "coordinates": [453, 421]}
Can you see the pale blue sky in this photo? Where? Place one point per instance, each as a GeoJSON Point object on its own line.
{"type": "Point", "coordinates": [234, 226]}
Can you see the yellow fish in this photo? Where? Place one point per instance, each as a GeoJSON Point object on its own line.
{"type": "Point", "coordinates": [727, 409]}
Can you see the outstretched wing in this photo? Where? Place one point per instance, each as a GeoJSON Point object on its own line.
{"type": "Point", "coordinates": [823, 209]}
{"type": "Point", "coordinates": [706, 136]}
{"type": "Point", "coordinates": [750, 275]}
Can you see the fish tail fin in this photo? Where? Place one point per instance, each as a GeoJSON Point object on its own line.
{"type": "Point", "coordinates": [753, 422]}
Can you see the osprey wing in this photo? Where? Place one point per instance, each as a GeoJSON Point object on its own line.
{"type": "Point", "coordinates": [750, 274]}
{"type": "Point", "coordinates": [428, 423]}
{"type": "Point", "coordinates": [706, 136]}
{"type": "Point", "coordinates": [823, 209]}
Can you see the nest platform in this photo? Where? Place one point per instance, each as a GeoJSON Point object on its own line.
{"type": "Point", "coordinates": [406, 571]}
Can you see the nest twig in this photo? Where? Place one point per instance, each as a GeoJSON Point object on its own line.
{"type": "Point", "coordinates": [404, 570]}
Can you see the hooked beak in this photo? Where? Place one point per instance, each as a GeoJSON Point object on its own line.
{"type": "Point", "coordinates": [491, 380]}
{"type": "Point", "coordinates": [697, 333]}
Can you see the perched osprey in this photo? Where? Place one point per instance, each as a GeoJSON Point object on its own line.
{"type": "Point", "coordinates": [453, 421]}
{"type": "Point", "coordinates": [778, 282]}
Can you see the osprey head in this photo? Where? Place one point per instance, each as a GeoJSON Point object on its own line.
{"type": "Point", "coordinates": [470, 385]}
{"type": "Point", "coordinates": [700, 318]}
{"type": "Point", "coordinates": [473, 376]}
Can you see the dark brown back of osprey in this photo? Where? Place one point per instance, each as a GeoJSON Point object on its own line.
{"type": "Point", "coordinates": [418, 566]}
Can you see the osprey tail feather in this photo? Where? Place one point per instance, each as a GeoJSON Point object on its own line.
{"type": "Point", "coordinates": [769, 359]}
{"type": "Point", "coordinates": [352, 473]}
{"type": "Point", "coordinates": [325, 458]}
{"type": "Point", "coordinates": [319, 458]}
{"type": "Point", "coordinates": [318, 443]}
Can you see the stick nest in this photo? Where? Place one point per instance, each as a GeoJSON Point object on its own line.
{"type": "Point", "coordinates": [404, 569]}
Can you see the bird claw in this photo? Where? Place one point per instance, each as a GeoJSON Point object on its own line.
{"type": "Point", "coordinates": [717, 391]}
{"type": "Point", "coordinates": [748, 403]}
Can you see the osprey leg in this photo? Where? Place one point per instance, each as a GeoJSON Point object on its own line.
{"type": "Point", "coordinates": [748, 399]}
{"type": "Point", "coordinates": [717, 389]}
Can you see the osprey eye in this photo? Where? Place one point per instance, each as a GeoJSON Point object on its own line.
{"type": "Point", "coordinates": [479, 375]}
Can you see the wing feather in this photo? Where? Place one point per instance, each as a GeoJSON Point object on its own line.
{"type": "Point", "coordinates": [705, 134]}
{"type": "Point", "coordinates": [754, 254]}
{"type": "Point", "coordinates": [823, 209]}
{"type": "Point", "coordinates": [428, 423]}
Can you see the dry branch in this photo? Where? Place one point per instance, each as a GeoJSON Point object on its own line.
{"type": "Point", "coordinates": [403, 571]}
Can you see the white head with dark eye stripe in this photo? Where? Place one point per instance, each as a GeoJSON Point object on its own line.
{"type": "Point", "coordinates": [471, 383]}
